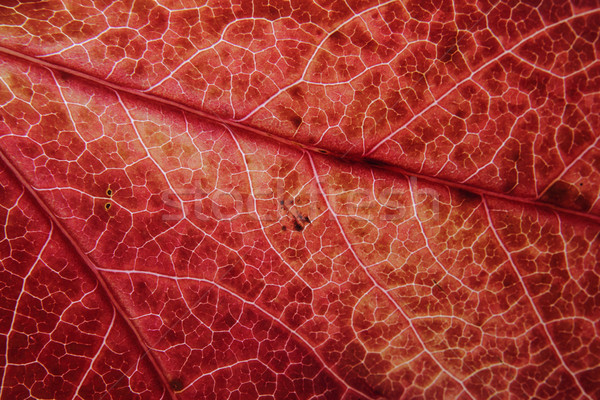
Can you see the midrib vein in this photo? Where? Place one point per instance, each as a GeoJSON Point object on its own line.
{"type": "Point", "coordinates": [375, 164]}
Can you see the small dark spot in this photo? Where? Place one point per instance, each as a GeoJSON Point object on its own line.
{"type": "Point", "coordinates": [107, 206]}
{"type": "Point", "coordinates": [563, 194]}
{"type": "Point", "coordinates": [297, 226]}
{"type": "Point", "coordinates": [63, 75]}
{"type": "Point", "coordinates": [513, 155]}
{"type": "Point", "coordinates": [581, 184]}
{"type": "Point", "coordinates": [582, 203]}
{"type": "Point", "coordinates": [296, 120]}
{"type": "Point", "coordinates": [304, 218]}
{"type": "Point", "coordinates": [176, 384]}
{"type": "Point", "coordinates": [468, 195]}
{"type": "Point", "coordinates": [323, 151]}
{"type": "Point", "coordinates": [281, 202]}
{"type": "Point", "coordinates": [509, 280]}
{"type": "Point", "coordinates": [296, 91]}
{"type": "Point", "coordinates": [284, 228]}
{"type": "Point", "coordinates": [338, 38]}
{"type": "Point", "coordinates": [461, 113]}
{"type": "Point", "coordinates": [109, 192]}
{"type": "Point", "coordinates": [1, 118]}
{"type": "Point", "coordinates": [373, 161]}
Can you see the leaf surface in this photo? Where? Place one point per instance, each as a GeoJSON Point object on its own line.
{"type": "Point", "coordinates": [300, 200]}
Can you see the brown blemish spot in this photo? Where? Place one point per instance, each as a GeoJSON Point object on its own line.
{"type": "Point", "coordinates": [468, 195]}
{"type": "Point", "coordinates": [63, 75]}
{"type": "Point", "coordinates": [372, 161]}
{"type": "Point", "coordinates": [284, 228]}
{"type": "Point", "coordinates": [461, 113]}
{"type": "Point", "coordinates": [109, 192]}
{"type": "Point", "coordinates": [564, 194]}
{"type": "Point", "coordinates": [583, 203]}
{"type": "Point", "coordinates": [296, 92]}
{"type": "Point", "coordinates": [107, 206]}
{"type": "Point", "coordinates": [304, 218]}
{"type": "Point", "coordinates": [296, 121]}
{"type": "Point", "coordinates": [299, 220]}
{"type": "Point", "coordinates": [338, 38]}
{"type": "Point", "coordinates": [176, 384]}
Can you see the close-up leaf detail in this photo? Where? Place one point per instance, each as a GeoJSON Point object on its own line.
{"type": "Point", "coordinates": [300, 199]}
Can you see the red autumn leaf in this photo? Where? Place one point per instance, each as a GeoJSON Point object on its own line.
{"type": "Point", "coordinates": [300, 200]}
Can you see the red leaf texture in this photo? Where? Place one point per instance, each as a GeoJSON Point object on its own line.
{"type": "Point", "coordinates": [300, 200]}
